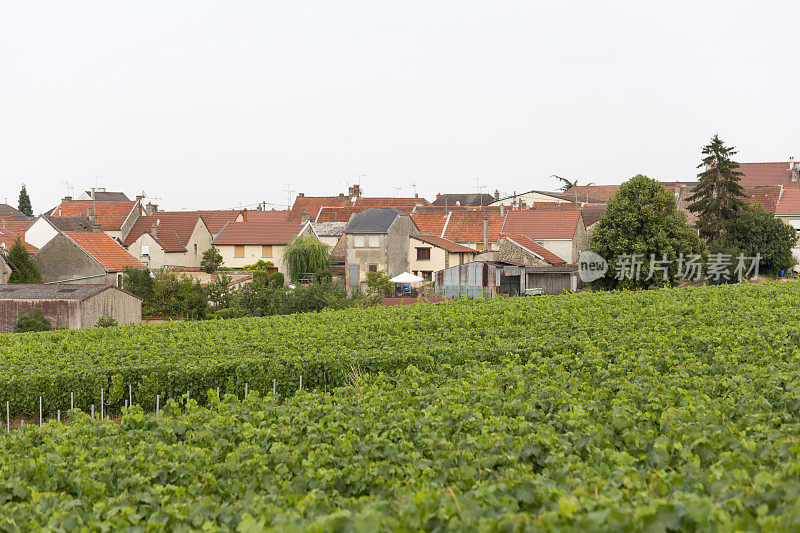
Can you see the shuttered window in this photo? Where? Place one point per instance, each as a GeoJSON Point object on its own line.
{"type": "Point", "coordinates": [238, 250]}
{"type": "Point", "coordinates": [266, 250]}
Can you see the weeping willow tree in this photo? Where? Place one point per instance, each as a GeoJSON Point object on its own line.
{"type": "Point", "coordinates": [306, 255]}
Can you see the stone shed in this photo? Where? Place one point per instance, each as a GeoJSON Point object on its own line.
{"type": "Point", "coordinates": [71, 306]}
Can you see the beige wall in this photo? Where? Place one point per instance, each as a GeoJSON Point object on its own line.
{"type": "Point", "coordinates": [252, 253]}
{"type": "Point", "coordinates": [5, 271]}
{"type": "Point", "coordinates": [440, 258]}
{"type": "Point", "coordinates": [330, 241]}
{"type": "Point", "coordinates": [561, 247]}
{"type": "Point", "coordinates": [199, 242]}
{"type": "Point", "coordinates": [125, 308]}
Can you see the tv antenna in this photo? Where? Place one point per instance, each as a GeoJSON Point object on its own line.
{"type": "Point", "coordinates": [289, 192]}
{"type": "Point", "coordinates": [70, 188]}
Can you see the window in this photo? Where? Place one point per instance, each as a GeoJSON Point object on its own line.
{"type": "Point", "coordinates": [195, 249]}
{"type": "Point", "coordinates": [266, 250]}
{"type": "Point", "coordinates": [145, 249]}
{"type": "Point", "coordinates": [423, 254]}
{"type": "Point", "coordinates": [374, 241]}
{"type": "Point", "coordinates": [238, 250]}
{"type": "Point", "coordinates": [426, 275]}
{"type": "Point", "coordinates": [359, 241]}
{"type": "Point", "coordinates": [373, 268]}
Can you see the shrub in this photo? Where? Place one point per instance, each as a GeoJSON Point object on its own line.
{"type": "Point", "coordinates": [106, 322]}
{"type": "Point", "coordinates": [211, 261]}
{"type": "Point", "coordinates": [378, 287]}
{"type": "Point", "coordinates": [33, 321]}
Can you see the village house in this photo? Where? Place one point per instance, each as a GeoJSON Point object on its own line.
{"type": "Point", "coordinates": [377, 239]}
{"type": "Point", "coordinates": [45, 227]}
{"type": "Point", "coordinates": [84, 257]}
{"type": "Point", "coordinates": [463, 200]}
{"type": "Point", "coordinates": [431, 253]}
{"type": "Point", "coordinates": [115, 218]}
{"type": "Point", "coordinates": [100, 194]}
{"type": "Point", "coordinates": [245, 243]}
{"type": "Point", "coordinates": [68, 306]}
{"type": "Point", "coordinates": [173, 239]}
{"type": "Point", "coordinates": [329, 232]}
{"type": "Point", "coordinates": [561, 232]}
{"type": "Point", "coordinates": [476, 229]}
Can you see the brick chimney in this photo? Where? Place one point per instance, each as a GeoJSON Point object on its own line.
{"type": "Point", "coordinates": [438, 195]}
{"type": "Point", "coordinates": [791, 163]}
{"type": "Point", "coordinates": [496, 195]}
{"type": "Point", "coordinates": [154, 230]}
{"type": "Point", "coordinates": [150, 208]}
{"type": "Point", "coordinates": [305, 217]}
{"type": "Point", "coordinates": [485, 233]}
{"type": "Point", "coordinates": [244, 215]}
{"type": "Point", "coordinates": [301, 195]}
{"type": "Point", "coordinates": [502, 210]}
{"type": "Point", "coordinates": [92, 194]}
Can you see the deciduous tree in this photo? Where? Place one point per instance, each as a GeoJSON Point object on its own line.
{"type": "Point", "coordinates": [642, 220]}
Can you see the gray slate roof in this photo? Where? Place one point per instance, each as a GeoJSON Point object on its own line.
{"type": "Point", "coordinates": [107, 196]}
{"type": "Point", "coordinates": [58, 291]}
{"type": "Point", "coordinates": [328, 229]}
{"type": "Point", "coordinates": [6, 211]}
{"type": "Point", "coordinates": [373, 220]}
{"type": "Point", "coordinates": [463, 199]}
{"type": "Point", "coordinates": [69, 223]}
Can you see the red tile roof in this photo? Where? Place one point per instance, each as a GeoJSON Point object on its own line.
{"type": "Point", "coordinates": [525, 242]}
{"type": "Point", "coordinates": [264, 216]}
{"type": "Point", "coordinates": [215, 220]}
{"type": "Point", "coordinates": [765, 196]}
{"type": "Point", "coordinates": [15, 226]}
{"type": "Point", "coordinates": [172, 231]}
{"type": "Point", "coordinates": [312, 205]}
{"type": "Point", "coordinates": [766, 174]}
{"type": "Point", "coordinates": [8, 238]}
{"type": "Point", "coordinates": [105, 250]}
{"type": "Point", "coordinates": [432, 223]}
{"type": "Point", "coordinates": [270, 232]}
{"type": "Point", "coordinates": [445, 244]}
{"type": "Point", "coordinates": [403, 204]}
{"type": "Point", "coordinates": [789, 203]}
{"type": "Point", "coordinates": [467, 226]}
{"type": "Point", "coordinates": [595, 193]}
{"type": "Point", "coordinates": [337, 214]}
{"type": "Point", "coordinates": [542, 224]}
{"type": "Point", "coordinates": [593, 212]}
{"type": "Point", "coordinates": [110, 215]}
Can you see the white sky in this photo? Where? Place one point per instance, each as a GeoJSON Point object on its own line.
{"type": "Point", "coordinates": [217, 104]}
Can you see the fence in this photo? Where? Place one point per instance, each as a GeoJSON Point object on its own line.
{"type": "Point", "coordinates": [128, 403]}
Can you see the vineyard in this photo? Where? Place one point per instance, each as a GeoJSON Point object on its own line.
{"type": "Point", "coordinates": [661, 410]}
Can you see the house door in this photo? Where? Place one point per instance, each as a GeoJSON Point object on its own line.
{"type": "Point", "coordinates": [354, 277]}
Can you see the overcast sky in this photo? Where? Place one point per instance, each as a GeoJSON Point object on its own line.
{"type": "Point", "coordinates": [217, 105]}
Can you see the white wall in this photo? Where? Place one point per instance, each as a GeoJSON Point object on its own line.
{"type": "Point", "coordinates": [40, 233]}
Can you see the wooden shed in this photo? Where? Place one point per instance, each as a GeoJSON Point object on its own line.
{"type": "Point", "coordinates": [481, 279]}
{"type": "Point", "coordinates": [68, 306]}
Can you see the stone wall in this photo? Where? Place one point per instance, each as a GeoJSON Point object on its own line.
{"type": "Point", "coordinates": [511, 253]}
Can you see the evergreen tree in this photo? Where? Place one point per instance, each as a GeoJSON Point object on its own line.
{"type": "Point", "coordinates": [25, 202]}
{"type": "Point", "coordinates": [718, 197]}
{"type": "Point", "coordinates": [211, 261]}
{"type": "Point", "coordinates": [26, 271]}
